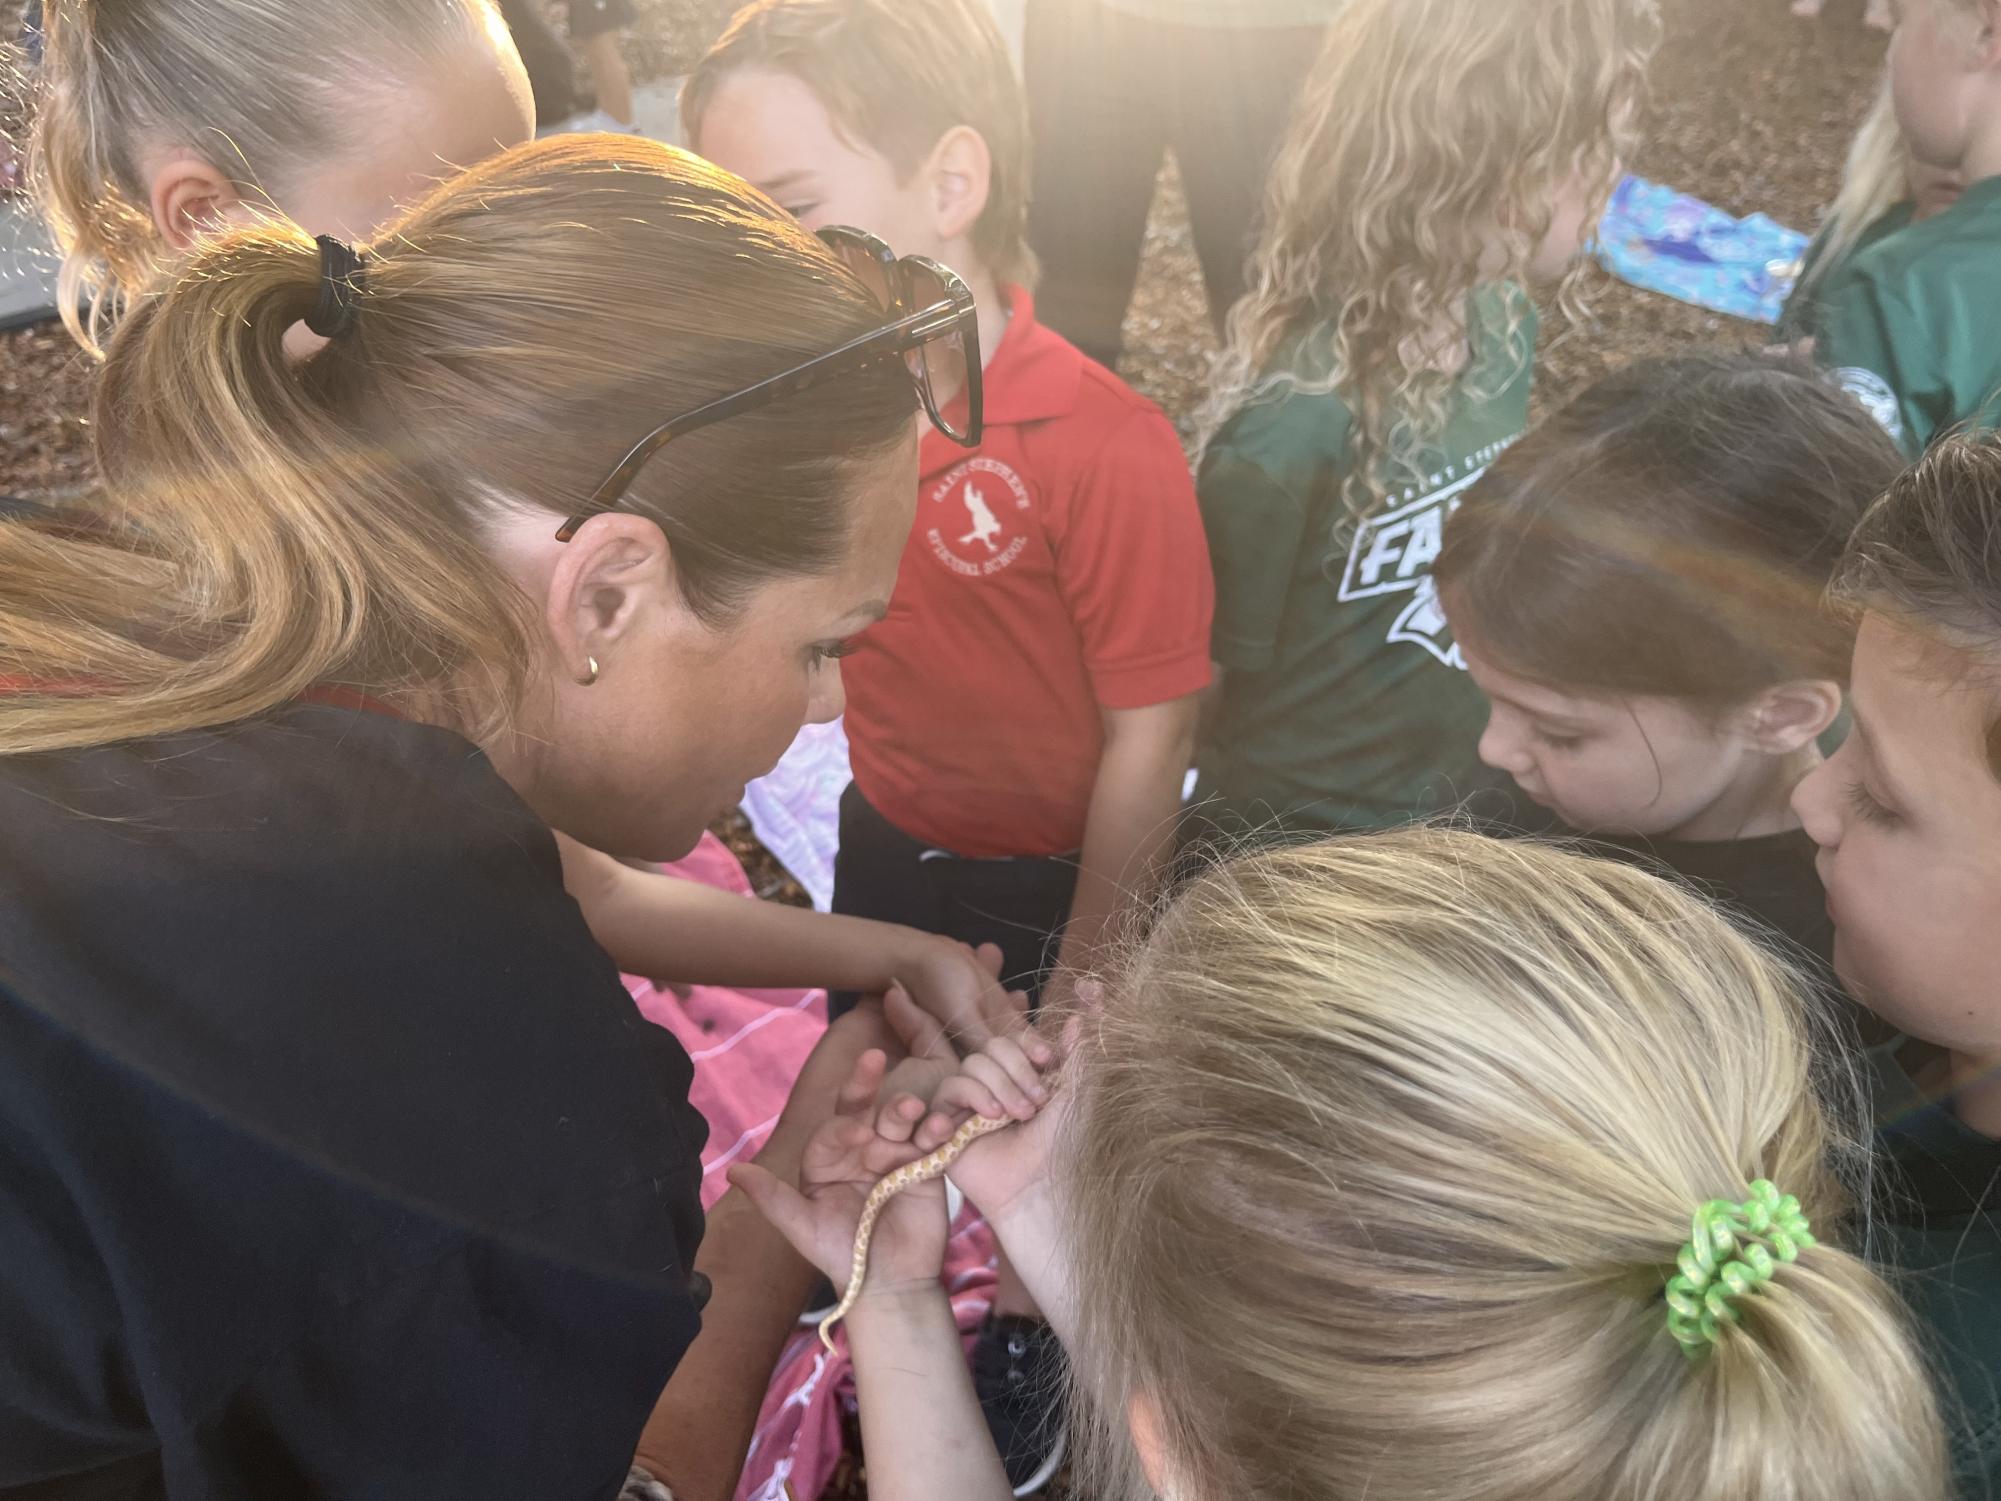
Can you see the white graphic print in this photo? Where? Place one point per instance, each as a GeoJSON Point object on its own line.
{"type": "Point", "coordinates": [1877, 399]}
{"type": "Point", "coordinates": [975, 518]}
{"type": "Point", "coordinates": [1393, 553]}
{"type": "Point", "coordinates": [986, 526]}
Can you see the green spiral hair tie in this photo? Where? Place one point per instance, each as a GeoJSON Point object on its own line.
{"type": "Point", "coordinates": [1732, 1251]}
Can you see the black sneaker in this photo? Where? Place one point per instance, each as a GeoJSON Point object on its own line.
{"type": "Point", "coordinates": [1020, 1373]}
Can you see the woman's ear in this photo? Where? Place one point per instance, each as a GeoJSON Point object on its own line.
{"type": "Point", "coordinates": [1790, 715]}
{"type": "Point", "coordinates": [189, 198]}
{"type": "Point", "coordinates": [960, 176]}
{"type": "Point", "coordinates": [608, 579]}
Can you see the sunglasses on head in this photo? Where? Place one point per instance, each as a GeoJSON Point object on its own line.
{"type": "Point", "coordinates": [933, 328]}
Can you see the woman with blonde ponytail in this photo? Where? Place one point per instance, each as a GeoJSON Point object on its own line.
{"type": "Point", "coordinates": [337, 1162]}
{"type": "Point", "coordinates": [1424, 1166]}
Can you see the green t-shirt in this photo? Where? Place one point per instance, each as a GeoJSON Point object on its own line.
{"type": "Point", "coordinates": [1938, 1235]}
{"type": "Point", "coordinates": [1345, 703]}
{"type": "Point", "coordinates": [1912, 325]}
{"type": "Point", "coordinates": [1242, 15]}
{"type": "Point", "coordinates": [1800, 317]}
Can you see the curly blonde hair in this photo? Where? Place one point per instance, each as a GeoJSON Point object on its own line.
{"type": "Point", "coordinates": [1423, 161]}
{"type": "Point", "coordinates": [1383, 1150]}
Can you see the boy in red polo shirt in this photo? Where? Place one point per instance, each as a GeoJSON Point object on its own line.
{"type": "Point", "coordinates": [1022, 721]}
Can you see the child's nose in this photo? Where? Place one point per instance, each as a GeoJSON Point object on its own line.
{"type": "Point", "coordinates": [1502, 749]}
{"type": "Point", "coordinates": [829, 698]}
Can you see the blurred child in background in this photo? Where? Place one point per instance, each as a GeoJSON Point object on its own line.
{"type": "Point", "coordinates": [1911, 318]}
{"type": "Point", "coordinates": [1884, 188]}
{"type": "Point", "coordinates": [147, 133]}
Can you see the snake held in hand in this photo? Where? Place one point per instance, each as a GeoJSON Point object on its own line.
{"type": "Point", "coordinates": [923, 1170]}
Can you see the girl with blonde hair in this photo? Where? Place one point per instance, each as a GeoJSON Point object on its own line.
{"type": "Point", "coordinates": [156, 123]}
{"type": "Point", "coordinates": [1446, 155]}
{"type": "Point", "coordinates": [339, 1161]}
{"type": "Point", "coordinates": [1883, 189]}
{"type": "Point", "coordinates": [1907, 320]}
{"type": "Point", "coordinates": [1415, 1166]}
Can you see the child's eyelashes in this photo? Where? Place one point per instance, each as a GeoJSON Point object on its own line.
{"type": "Point", "coordinates": [1557, 742]}
{"type": "Point", "coordinates": [1866, 808]}
{"type": "Point", "coordinates": [832, 651]}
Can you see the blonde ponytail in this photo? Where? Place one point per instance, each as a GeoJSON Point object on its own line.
{"type": "Point", "coordinates": [1384, 1151]}
{"type": "Point", "coordinates": [1874, 181]}
{"type": "Point", "coordinates": [270, 584]}
{"type": "Point", "coordinates": [272, 525]}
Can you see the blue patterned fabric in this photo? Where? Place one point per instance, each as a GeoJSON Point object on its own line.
{"type": "Point", "coordinates": [1664, 241]}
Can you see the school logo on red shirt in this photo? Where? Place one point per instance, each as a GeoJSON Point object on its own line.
{"type": "Point", "coordinates": [973, 518]}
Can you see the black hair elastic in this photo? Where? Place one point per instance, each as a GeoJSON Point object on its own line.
{"type": "Point", "coordinates": [340, 288]}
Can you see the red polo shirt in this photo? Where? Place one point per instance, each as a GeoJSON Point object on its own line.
{"type": "Point", "coordinates": [1057, 571]}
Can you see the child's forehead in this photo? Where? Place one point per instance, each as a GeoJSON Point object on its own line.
{"type": "Point", "coordinates": [1925, 697]}
{"type": "Point", "coordinates": [783, 115]}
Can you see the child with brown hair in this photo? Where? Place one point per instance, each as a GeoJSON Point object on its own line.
{"type": "Point", "coordinates": [1635, 587]}
{"type": "Point", "coordinates": [1446, 154]}
{"type": "Point", "coordinates": [1413, 1166]}
{"type": "Point", "coordinates": [1907, 815]}
{"type": "Point", "coordinates": [1021, 721]}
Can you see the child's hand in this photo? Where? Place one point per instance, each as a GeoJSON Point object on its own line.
{"type": "Point", "coordinates": [1003, 1078]}
{"type": "Point", "coordinates": [844, 1160]}
{"type": "Point", "coordinates": [998, 1171]}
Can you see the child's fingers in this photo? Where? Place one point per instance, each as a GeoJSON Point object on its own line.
{"type": "Point", "coordinates": [858, 1093]}
{"type": "Point", "coordinates": [1014, 1061]}
{"type": "Point", "coordinates": [964, 1093]}
{"type": "Point", "coordinates": [990, 958]}
{"type": "Point", "coordinates": [1013, 1099]}
{"type": "Point", "coordinates": [899, 1118]}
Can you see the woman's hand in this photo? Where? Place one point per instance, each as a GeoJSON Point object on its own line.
{"type": "Point", "coordinates": [842, 1162]}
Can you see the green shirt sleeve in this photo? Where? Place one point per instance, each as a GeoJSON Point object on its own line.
{"type": "Point", "coordinates": [1256, 526]}
{"type": "Point", "coordinates": [1882, 351]}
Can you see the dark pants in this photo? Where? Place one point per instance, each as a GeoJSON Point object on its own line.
{"type": "Point", "coordinates": [1108, 95]}
{"type": "Point", "coordinates": [1019, 904]}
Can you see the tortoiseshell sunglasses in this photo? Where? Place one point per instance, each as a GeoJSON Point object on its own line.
{"type": "Point", "coordinates": [934, 327]}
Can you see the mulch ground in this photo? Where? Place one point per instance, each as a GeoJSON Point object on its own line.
{"type": "Point", "coordinates": [1752, 110]}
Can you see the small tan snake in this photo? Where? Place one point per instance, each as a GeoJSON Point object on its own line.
{"type": "Point", "coordinates": [923, 1170]}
